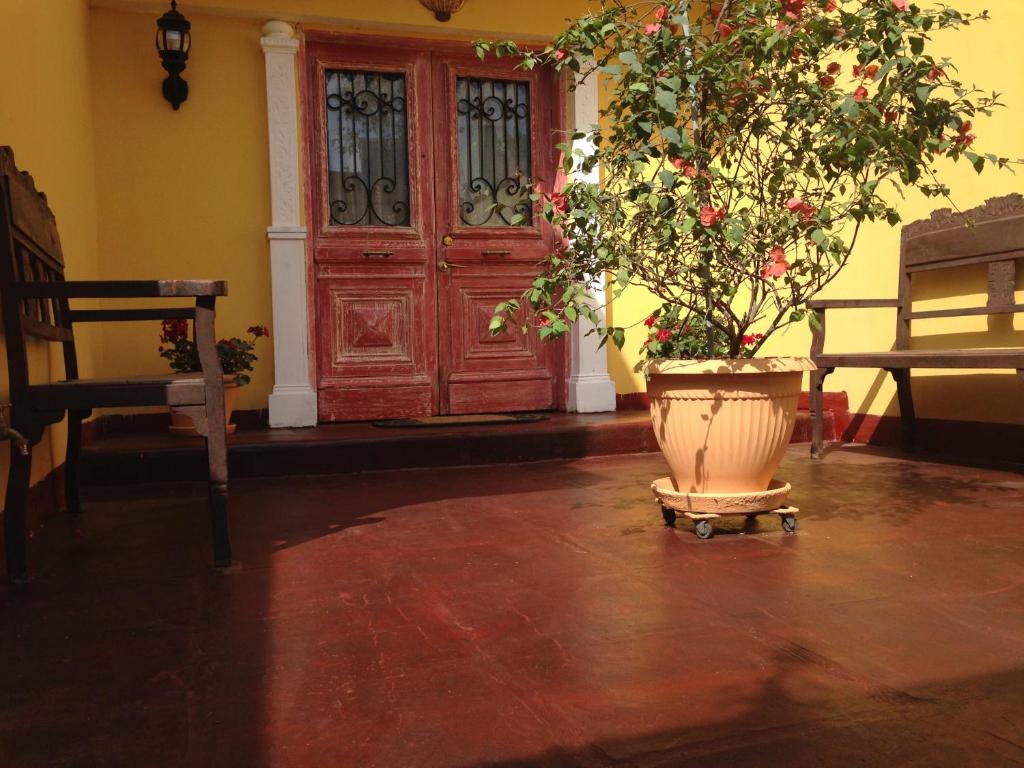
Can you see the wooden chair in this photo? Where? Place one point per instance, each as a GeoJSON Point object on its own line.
{"type": "Point", "coordinates": [993, 235]}
{"type": "Point", "coordinates": [36, 305]}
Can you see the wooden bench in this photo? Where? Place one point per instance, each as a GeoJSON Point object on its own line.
{"type": "Point", "coordinates": [36, 304]}
{"type": "Point", "coordinates": [992, 235]}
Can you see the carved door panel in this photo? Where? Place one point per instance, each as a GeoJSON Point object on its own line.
{"type": "Point", "coordinates": [409, 151]}
{"type": "Point", "coordinates": [373, 208]}
{"type": "Point", "coordinates": [493, 134]}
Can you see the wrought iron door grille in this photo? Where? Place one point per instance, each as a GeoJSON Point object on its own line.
{"type": "Point", "coordinates": [494, 152]}
{"type": "Point", "coordinates": [367, 148]}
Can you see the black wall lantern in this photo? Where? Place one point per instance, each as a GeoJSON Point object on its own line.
{"type": "Point", "coordinates": [173, 41]}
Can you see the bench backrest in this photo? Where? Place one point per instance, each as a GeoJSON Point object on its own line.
{"type": "Point", "coordinates": [29, 252]}
{"type": "Point", "coordinates": [991, 234]}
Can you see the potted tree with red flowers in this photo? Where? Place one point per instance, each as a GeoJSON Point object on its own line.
{"type": "Point", "coordinates": [236, 358]}
{"type": "Point", "coordinates": [745, 144]}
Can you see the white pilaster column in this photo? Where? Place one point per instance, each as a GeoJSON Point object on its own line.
{"type": "Point", "coordinates": [293, 401]}
{"type": "Point", "coordinates": [590, 388]}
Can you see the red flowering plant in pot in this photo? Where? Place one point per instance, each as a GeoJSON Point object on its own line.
{"type": "Point", "coordinates": [236, 357]}
{"type": "Point", "coordinates": [745, 144]}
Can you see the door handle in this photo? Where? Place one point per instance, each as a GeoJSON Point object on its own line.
{"type": "Point", "coordinates": [496, 253]}
{"type": "Point", "coordinates": [380, 254]}
{"type": "Point", "coordinates": [444, 266]}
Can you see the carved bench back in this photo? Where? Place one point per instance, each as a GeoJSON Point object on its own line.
{"type": "Point", "coordinates": [29, 252]}
{"type": "Point", "coordinates": [991, 234]}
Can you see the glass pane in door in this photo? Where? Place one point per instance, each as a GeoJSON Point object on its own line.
{"type": "Point", "coordinates": [494, 152]}
{"type": "Point", "coordinates": [367, 148]}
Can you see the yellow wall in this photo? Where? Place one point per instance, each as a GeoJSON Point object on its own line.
{"type": "Point", "coordinates": [982, 54]}
{"type": "Point", "coordinates": [183, 194]}
{"type": "Point", "coordinates": [45, 115]}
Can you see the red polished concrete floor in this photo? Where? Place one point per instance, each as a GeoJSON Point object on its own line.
{"type": "Point", "coordinates": [531, 615]}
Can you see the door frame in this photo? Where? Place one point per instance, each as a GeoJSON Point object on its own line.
{"type": "Point", "coordinates": [293, 402]}
{"type": "Point", "coordinates": [313, 179]}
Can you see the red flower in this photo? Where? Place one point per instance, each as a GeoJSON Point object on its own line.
{"type": "Point", "coordinates": [870, 71]}
{"type": "Point", "coordinates": [652, 29]}
{"type": "Point", "coordinates": [796, 206]}
{"type": "Point", "coordinates": [792, 9]}
{"type": "Point", "coordinates": [860, 94]}
{"type": "Point", "coordinates": [966, 126]}
{"type": "Point", "coordinates": [651, 320]}
{"type": "Point", "coordinates": [830, 6]}
{"type": "Point", "coordinates": [856, 70]}
{"type": "Point", "coordinates": [778, 265]}
{"type": "Point", "coordinates": [663, 335]}
{"type": "Point", "coordinates": [900, 5]}
{"type": "Point", "coordinates": [834, 68]}
{"type": "Point", "coordinates": [561, 54]}
{"type": "Point", "coordinates": [826, 81]}
{"type": "Point", "coordinates": [258, 331]}
{"type": "Point", "coordinates": [935, 73]}
{"type": "Point", "coordinates": [709, 216]}
{"type": "Point", "coordinates": [724, 30]}
{"type": "Point", "coordinates": [663, 73]}
{"type": "Point", "coordinates": [752, 338]}
{"type": "Point", "coordinates": [687, 169]}
{"type": "Point", "coordinates": [891, 115]}
{"type": "Point", "coordinates": [173, 331]}
{"type": "Point", "coordinates": [662, 13]}
{"type": "Point", "coordinates": [559, 202]}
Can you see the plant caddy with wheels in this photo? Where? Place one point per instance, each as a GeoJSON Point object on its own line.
{"type": "Point", "coordinates": [743, 146]}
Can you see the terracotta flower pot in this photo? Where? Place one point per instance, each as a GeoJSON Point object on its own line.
{"type": "Point", "coordinates": [723, 425]}
{"type": "Point", "coordinates": [181, 423]}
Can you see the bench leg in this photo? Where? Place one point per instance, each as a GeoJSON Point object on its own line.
{"type": "Point", "coordinates": [217, 456]}
{"type": "Point", "coordinates": [72, 500]}
{"type": "Point", "coordinates": [906, 400]}
{"type": "Point", "coordinates": [817, 412]}
{"type": "Point", "coordinates": [15, 507]}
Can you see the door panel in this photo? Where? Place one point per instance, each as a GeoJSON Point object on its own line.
{"type": "Point", "coordinates": [493, 127]}
{"type": "Point", "coordinates": [373, 250]}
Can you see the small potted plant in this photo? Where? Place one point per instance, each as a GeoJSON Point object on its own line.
{"type": "Point", "coordinates": [236, 359]}
{"type": "Point", "coordinates": [744, 145]}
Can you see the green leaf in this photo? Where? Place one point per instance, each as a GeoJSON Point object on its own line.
{"type": "Point", "coordinates": [667, 100]}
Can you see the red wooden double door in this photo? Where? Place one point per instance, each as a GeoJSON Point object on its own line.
{"type": "Point", "coordinates": [421, 161]}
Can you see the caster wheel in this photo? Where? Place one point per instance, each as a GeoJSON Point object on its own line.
{"type": "Point", "coordinates": [670, 516]}
{"type": "Point", "coordinates": [790, 524]}
{"type": "Point", "coordinates": [703, 529]}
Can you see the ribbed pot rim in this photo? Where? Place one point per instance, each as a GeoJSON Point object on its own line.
{"type": "Point", "coordinates": [732, 365]}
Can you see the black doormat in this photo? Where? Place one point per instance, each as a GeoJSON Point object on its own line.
{"type": "Point", "coordinates": [471, 420]}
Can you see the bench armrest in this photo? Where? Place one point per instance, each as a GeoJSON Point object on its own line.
{"type": "Point", "coordinates": [122, 289]}
{"type": "Point", "coordinates": [853, 303]}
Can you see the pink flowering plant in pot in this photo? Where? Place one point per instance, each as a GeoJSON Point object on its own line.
{"type": "Point", "coordinates": [236, 357]}
{"type": "Point", "coordinates": [746, 143]}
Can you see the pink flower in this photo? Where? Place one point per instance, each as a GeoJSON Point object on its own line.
{"type": "Point", "coordinates": [900, 5]}
{"type": "Point", "coordinates": [778, 265]}
{"type": "Point", "coordinates": [652, 29]}
{"type": "Point", "coordinates": [830, 6]}
{"type": "Point", "coordinates": [856, 70]}
{"type": "Point", "coordinates": [792, 9]}
{"type": "Point", "coordinates": [724, 30]}
{"type": "Point", "coordinates": [966, 126]}
{"type": "Point", "coordinates": [687, 169]}
{"type": "Point", "coordinates": [561, 54]}
{"type": "Point", "coordinates": [650, 321]}
{"type": "Point", "coordinates": [559, 202]}
{"type": "Point", "coordinates": [860, 94]}
{"type": "Point", "coordinates": [796, 206]}
{"type": "Point", "coordinates": [663, 335]}
{"type": "Point", "coordinates": [825, 81]}
{"type": "Point", "coordinates": [709, 216]}
{"type": "Point", "coordinates": [662, 13]}
{"type": "Point", "coordinates": [935, 73]}
{"type": "Point", "coordinates": [870, 71]}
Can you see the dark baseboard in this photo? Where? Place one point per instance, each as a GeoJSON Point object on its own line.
{"type": "Point", "coordinates": [148, 423]}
